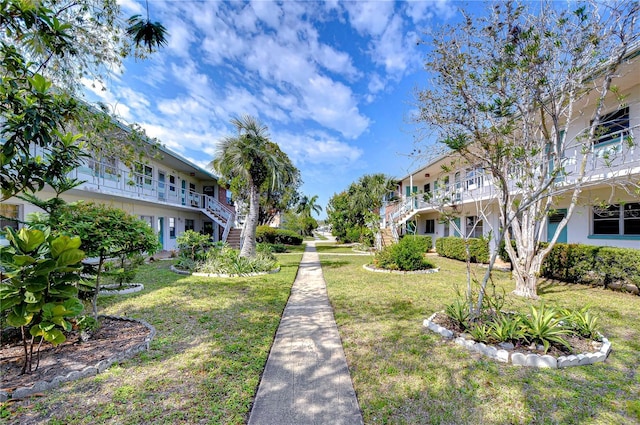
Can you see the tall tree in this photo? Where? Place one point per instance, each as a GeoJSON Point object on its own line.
{"type": "Point", "coordinates": [252, 157]}
{"type": "Point", "coordinates": [308, 205]}
{"type": "Point", "coordinates": [356, 209]}
{"type": "Point", "coordinates": [46, 44]}
{"type": "Point", "coordinates": [508, 89]}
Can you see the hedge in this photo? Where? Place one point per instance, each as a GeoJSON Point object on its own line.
{"type": "Point", "coordinates": [268, 234]}
{"type": "Point", "coordinates": [596, 265]}
{"type": "Point", "coordinates": [424, 241]}
{"type": "Point", "coordinates": [406, 255]}
{"type": "Point", "coordinates": [454, 247]}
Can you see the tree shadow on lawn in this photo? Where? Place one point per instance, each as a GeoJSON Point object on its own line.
{"type": "Point", "coordinates": [210, 349]}
{"type": "Point", "coordinates": [549, 286]}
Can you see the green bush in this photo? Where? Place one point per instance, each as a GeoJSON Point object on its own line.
{"type": "Point", "coordinates": [272, 235]}
{"type": "Point", "coordinates": [275, 248]}
{"type": "Point", "coordinates": [406, 255]}
{"type": "Point", "coordinates": [597, 265]}
{"type": "Point", "coordinates": [424, 240]}
{"type": "Point", "coordinates": [454, 247]}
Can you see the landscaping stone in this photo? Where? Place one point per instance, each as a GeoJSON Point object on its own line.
{"type": "Point", "coordinates": [460, 340]}
{"type": "Point", "coordinates": [568, 361]}
{"type": "Point", "coordinates": [490, 351]}
{"type": "Point", "coordinates": [506, 345]}
{"type": "Point", "coordinates": [502, 356]}
{"type": "Point", "coordinates": [595, 357]}
{"type": "Point", "coordinates": [518, 359]}
{"type": "Point", "coordinates": [470, 344]}
{"type": "Point", "coordinates": [583, 360]}
{"type": "Point", "coordinates": [21, 393]}
{"type": "Point", "coordinates": [480, 347]}
{"type": "Point", "coordinates": [3, 396]}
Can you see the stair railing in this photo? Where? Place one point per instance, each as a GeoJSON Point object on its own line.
{"type": "Point", "coordinates": [221, 213]}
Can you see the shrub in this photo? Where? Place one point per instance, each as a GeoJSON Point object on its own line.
{"type": "Point", "coordinates": [406, 255]}
{"type": "Point", "coordinates": [274, 248]}
{"type": "Point", "coordinates": [225, 260]}
{"type": "Point", "coordinates": [193, 245]}
{"type": "Point", "coordinates": [593, 264]}
{"type": "Point", "coordinates": [454, 247]}
{"type": "Point", "coordinates": [423, 240]}
{"type": "Point", "coordinates": [267, 234]}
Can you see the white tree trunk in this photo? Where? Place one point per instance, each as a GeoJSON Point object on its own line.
{"type": "Point", "coordinates": [249, 235]}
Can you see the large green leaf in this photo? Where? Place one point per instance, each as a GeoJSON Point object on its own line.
{"type": "Point", "coordinates": [19, 316]}
{"type": "Point", "coordinates": [29, 240]}
{"type": "Point", "coordinates": [23, 260]}
{"type": "Point", "coordinates": [9, 301]}
{"type": "Point", "coordinates": [74, 306]}
{"type": "Point", "coordinates": [64, 291]}
{"type": "Point", "coordinates": [70, 257]}
{"type": "Point", "coordinates": [64, 243]}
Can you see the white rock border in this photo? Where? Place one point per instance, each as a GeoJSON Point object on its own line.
{"type": "Point", "coordinates": [370, 268]}
{"type": "Point", "coordinates": [101, 366]}
{"type": "Point", "coordinates": [521, 359]}
{"type": "Point", "coordinates": [112, 289]}
{"type": "Point", "coordinates": [276, 270]}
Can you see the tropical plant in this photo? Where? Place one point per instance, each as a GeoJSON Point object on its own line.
{"type": "Point", "coordinates": [582, 322]}
{"type": "Point", "coordinates": [222, 259]}
{"type": "Point", "coordinates": [37, 288]}
{"type": "Point", "coordinates": [123, 270]}
{"type": "Point", "coordinates": [459, 312]}
{"type": "Point", "coordinates": [544, 325]}
{"type": "Point", "coordinates": [193, 245]}
{"type": "Point", "coordinates": [106, 232]}
{"type": "Point", "coordinates": [481, 332]}
{"type": "Point", "coordinates": [252, 157]}
{"type": "Point", "coordinates": [307, 205]}
{"type": "Point", "coordinates": [506, 328]}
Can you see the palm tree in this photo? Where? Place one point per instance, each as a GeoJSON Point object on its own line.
{"type": "Point", "coordinates": [255, 159]}
{"type": "Point", "coordinates": [151, 35]}
{"type": "Point", "coordinates": [307, 205]}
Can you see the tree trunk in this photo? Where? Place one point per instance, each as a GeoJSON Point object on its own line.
{"type": "Point", "coordinates": [526, 286]}
{"type": "Point", "coordinates": [249, 235]}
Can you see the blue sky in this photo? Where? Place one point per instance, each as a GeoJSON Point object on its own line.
{"type": "Point", "coordinates": [332, 80]}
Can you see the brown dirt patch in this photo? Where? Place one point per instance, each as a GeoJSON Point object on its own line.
{"type": "Point", "coordinates": [113, 337]}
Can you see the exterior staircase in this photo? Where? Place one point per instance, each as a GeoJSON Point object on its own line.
{"type": "Point", "coordinates": [386, 237]}
{"type": "Point", "coordinates": [233, 239]}
{"type": "Point", "coordinates": [221, 214]}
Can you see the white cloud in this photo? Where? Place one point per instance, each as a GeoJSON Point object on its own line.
{"type": "Point", "coordinates": [369, 17]}
{"type": "Point", "coordinates": [180, 38]}
{"type": "Point", "coordinates": [332, 104]}
{"type": "Point", "coordinates": [267, 11]}
{"type": "Point", "coordinates": [316, 149]}
{"type": "Point", "coordinates": [422, 10]}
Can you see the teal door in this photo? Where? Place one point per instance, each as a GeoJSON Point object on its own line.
{"type": "Point", "coordinates": [552, 225]}
{"type": "Point", "coordinates": [161, 185]}
{"type": "Point", "coordinates": [161, 230]}
{"type": "Point", "coordinates": [456, 228]}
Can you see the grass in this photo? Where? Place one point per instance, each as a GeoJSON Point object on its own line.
{"type": "Point", "coordinates": [406, 375]}
{"type": "Point", "coordinates": [204, 366]}
{"type": "Point", "coordinates": [332, 248]}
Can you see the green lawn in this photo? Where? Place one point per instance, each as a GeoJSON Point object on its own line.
{"type": "Point", "coordinates": [213, 338]}
{"type": "Point", "coordinates": [406, 375]}
{"type": "Point", "coordinates": [332, 248]}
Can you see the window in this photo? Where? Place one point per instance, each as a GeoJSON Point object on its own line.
{"type": "Point", "coordinates": [188, 224]}
{"type": "Point", "coordinates": [147, 219]}
{"type": "Point", "coordinates": [623, 219]}
{"type": "Point", "coordinates": [427, 191]}
{"type": "Point", "coordinates": [474, 227]}
{"type": "Point", "coordinates": [9, 216]}
{"type": "Point", "coordinates": [103, 167]}
{"type": "Point", "coordinates": [172, 227]}
{"type": "Point", "coordinates": [612, 126]}
{"type": "Point", "coordinates": [143, 174]}
{"type": "Point", "coordinates": [474, 178]}
{"type": "Point", "coordinates": [172, 183]}
{"type": "Point", "coordinates": [430, 227]}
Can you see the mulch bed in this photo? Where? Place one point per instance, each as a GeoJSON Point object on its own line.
{"type": "Point", "coordinates": [113, 337]}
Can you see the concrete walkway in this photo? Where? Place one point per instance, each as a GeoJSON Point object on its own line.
{"type": "Point", "coordinates": [306, 380]}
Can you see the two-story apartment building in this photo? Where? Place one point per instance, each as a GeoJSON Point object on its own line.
{"type": "Point", "coordinates": [169, 192]}
{"type": "Point", "coordinates": [606, 214]}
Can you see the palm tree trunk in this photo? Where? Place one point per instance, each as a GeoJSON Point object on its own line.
{"type": "Point", "coordinates": [249, 237]}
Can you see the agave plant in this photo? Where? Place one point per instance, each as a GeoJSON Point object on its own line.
{"type": "Point", "coordinates": [545, 325]}
{"type": "Point", "coordinates": [583, 323]}
{"type": "Point", "coordinates": [506, 328]}
{"type": "Point", "coordinates": [459, 311]}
